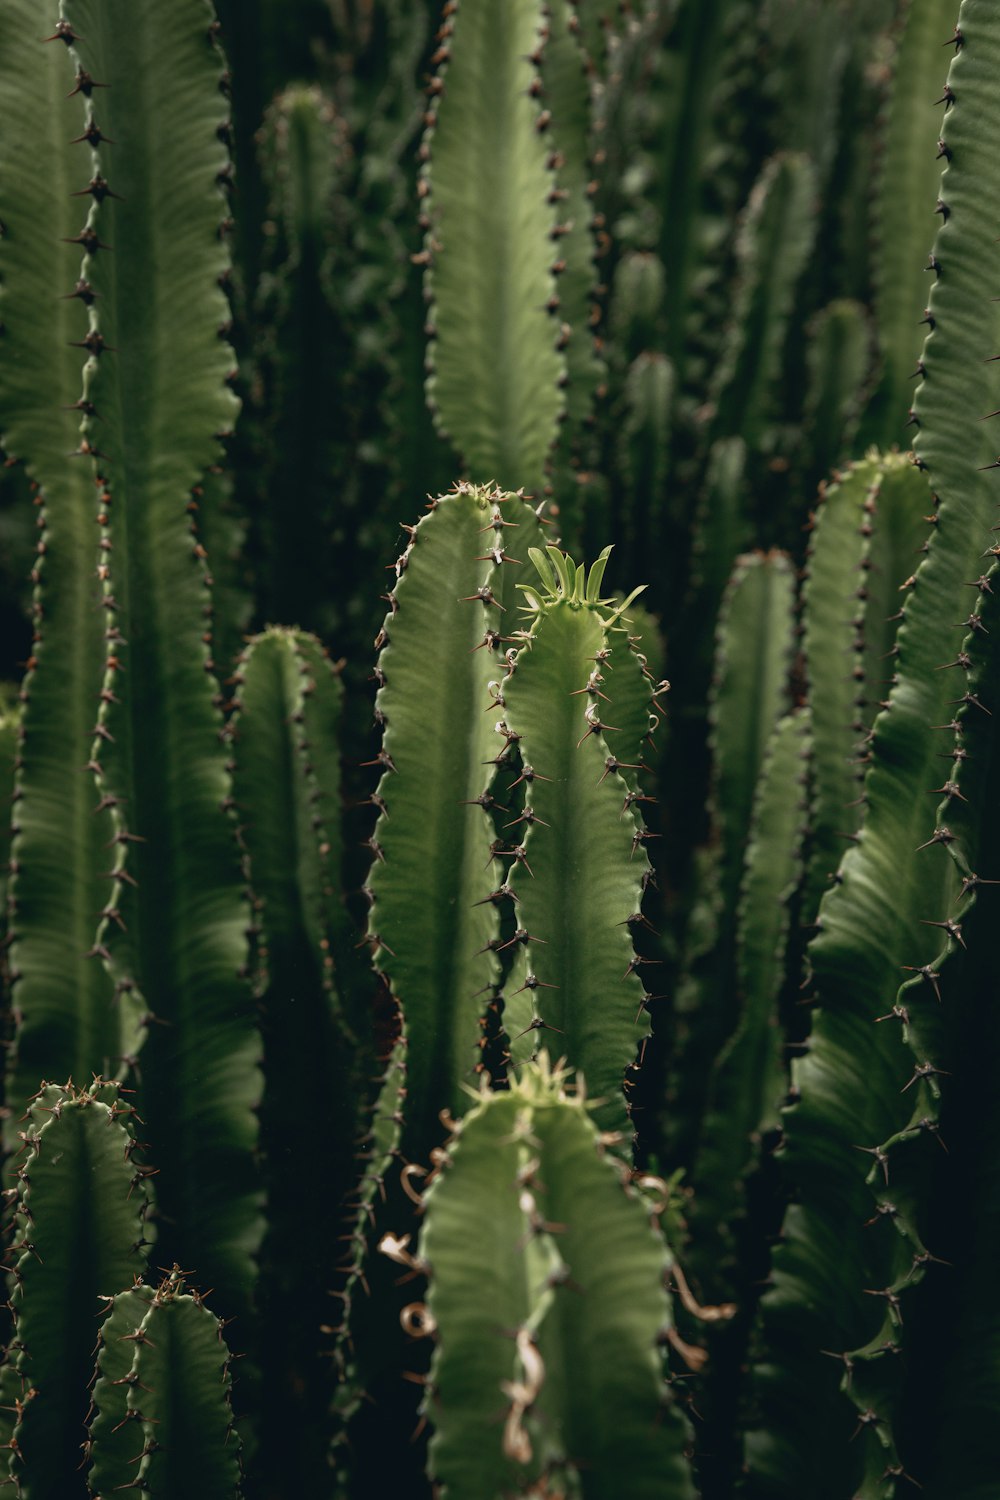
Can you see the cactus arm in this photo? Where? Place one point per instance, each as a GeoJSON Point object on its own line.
{"type": "Point", "coordinates": [115, 1441]}
{"type": "Point", "coordinates": [440, 651]}
{"type": "Point", "coordinates": [181, 1390]}
{"type": "Point", "coordinates": [644, 449]}
{"type": "Point", "coordinates": [157, 385]}
{"type": "Point", "coordinates": [750, 1076]}
{"type": "Point", "coordinates": [474, 1222]}
{"type": "Point", "coordinates": [68, 1023]}
{"type": "Point", "coordinates": [80, 1227]}
{"type": "Point", "coordinates": [774, 243]}
{"type": "Point", "coordinates": [608, 1371]}
{"type": "Point", "coordinates": [852, 1079]}
{"type": "Point", "coordinates": [566, 94]}
{"type": "Point", "coordinates": [838, 355]}
{"type": "Point", "coordinates": [564, 1351]}
{"type": "Point", "coordinates": [582, 874]}
{"type": "Point", "coordinates": [866, 536]}
{"type": "Point", "coordinates": [495, 369]}
{"type": "Point", "coordinates": [749, 694]}
{"type": "Point", "coordinates": [301, 351]}
{"type": "Point", "coordinates": [904, 210]}
{"type": "Point", "coordinates": [286, 785]}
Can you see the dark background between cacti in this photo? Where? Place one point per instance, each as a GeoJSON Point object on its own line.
{"type": "Point", "coordinates": [732, 210]}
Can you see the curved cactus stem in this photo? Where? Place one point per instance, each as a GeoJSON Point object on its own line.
{"type": "Point", "coordinates": [81, 1226]}
{"type": "Point", "coordinates": [157, 401]}
{"type": "Point", "coordinates": [441, 650]}
{"type": "Point", "coordinates": [564, 1349]}
{"type": "Point", "coordinates": [495, 369]}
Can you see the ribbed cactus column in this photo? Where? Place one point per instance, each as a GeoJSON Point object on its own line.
{"type": "Point", "coordinates": [162, 1420]}
{"type": "Point", "coordinates": [580, 712]}
{"type": "Point", "coordinates": [63, 997]}
{"type": "Point", "coordinates": [554, 1377]}
{"type": "Point", "coordinates": [155, 401]}
{"type": "Point", "coordinates": [436, 883]}
{"type": "Point", "coordinates": [80, 1221]}
{"type": "Point", "coordinates": [488, 186]}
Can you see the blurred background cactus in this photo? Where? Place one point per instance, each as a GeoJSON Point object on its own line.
{"type": "Point", "coordinates": [546, 1051]}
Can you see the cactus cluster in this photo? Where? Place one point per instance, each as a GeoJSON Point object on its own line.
{"type": "Point", "coordinates": [546, 1052]}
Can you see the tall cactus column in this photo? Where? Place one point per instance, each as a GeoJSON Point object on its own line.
{"type": "Point", "coordinates": [154, 402]}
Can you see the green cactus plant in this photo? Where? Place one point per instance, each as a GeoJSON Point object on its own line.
{"type": "Point", "coordinates": [811, 890]}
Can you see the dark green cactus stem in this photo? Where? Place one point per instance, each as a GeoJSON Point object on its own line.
{"type": "Point", "coordinates": [566, 97]}
{"type": "Point", "coordinates": [80, 1226]}
{"type": "Point", "coordinates": [495, 369]}
{"type": "Point", "coordinates": [162, 1419]}
{"type": "Point", "coordinates": [698, 36]}
{"type": "Point", "coordinates": [286, 786]}
{"type": "Point", "coordinates": [441, 649]}
{"type": "Point", "coordinates": [754, 643]}
{"type": "Point", "coordinates": [838, 356]}
{"type": "Point", "coordinates": [859, 1086]}
{"type": "Point", "coordinates": [302, 352]}
{"type": "Point", "coordinates": [579, 865]}
{"type": "Point", "coordinates": [155, 403]}
{"type": "Point", "coordinates": [556, 1373]}
{"type": "Point", "coordinates": [909, 180]}
{"type": "Point", "coordinates": [866, 536]}
{"type": "Point", "coordinates": [644, 452]}
{"type": "Point", "coordinates": [772, 249]}
{"type": "Point", "coordinates": [64, 998]}
{"type": "Point", "coordinates": [750, 1078]}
